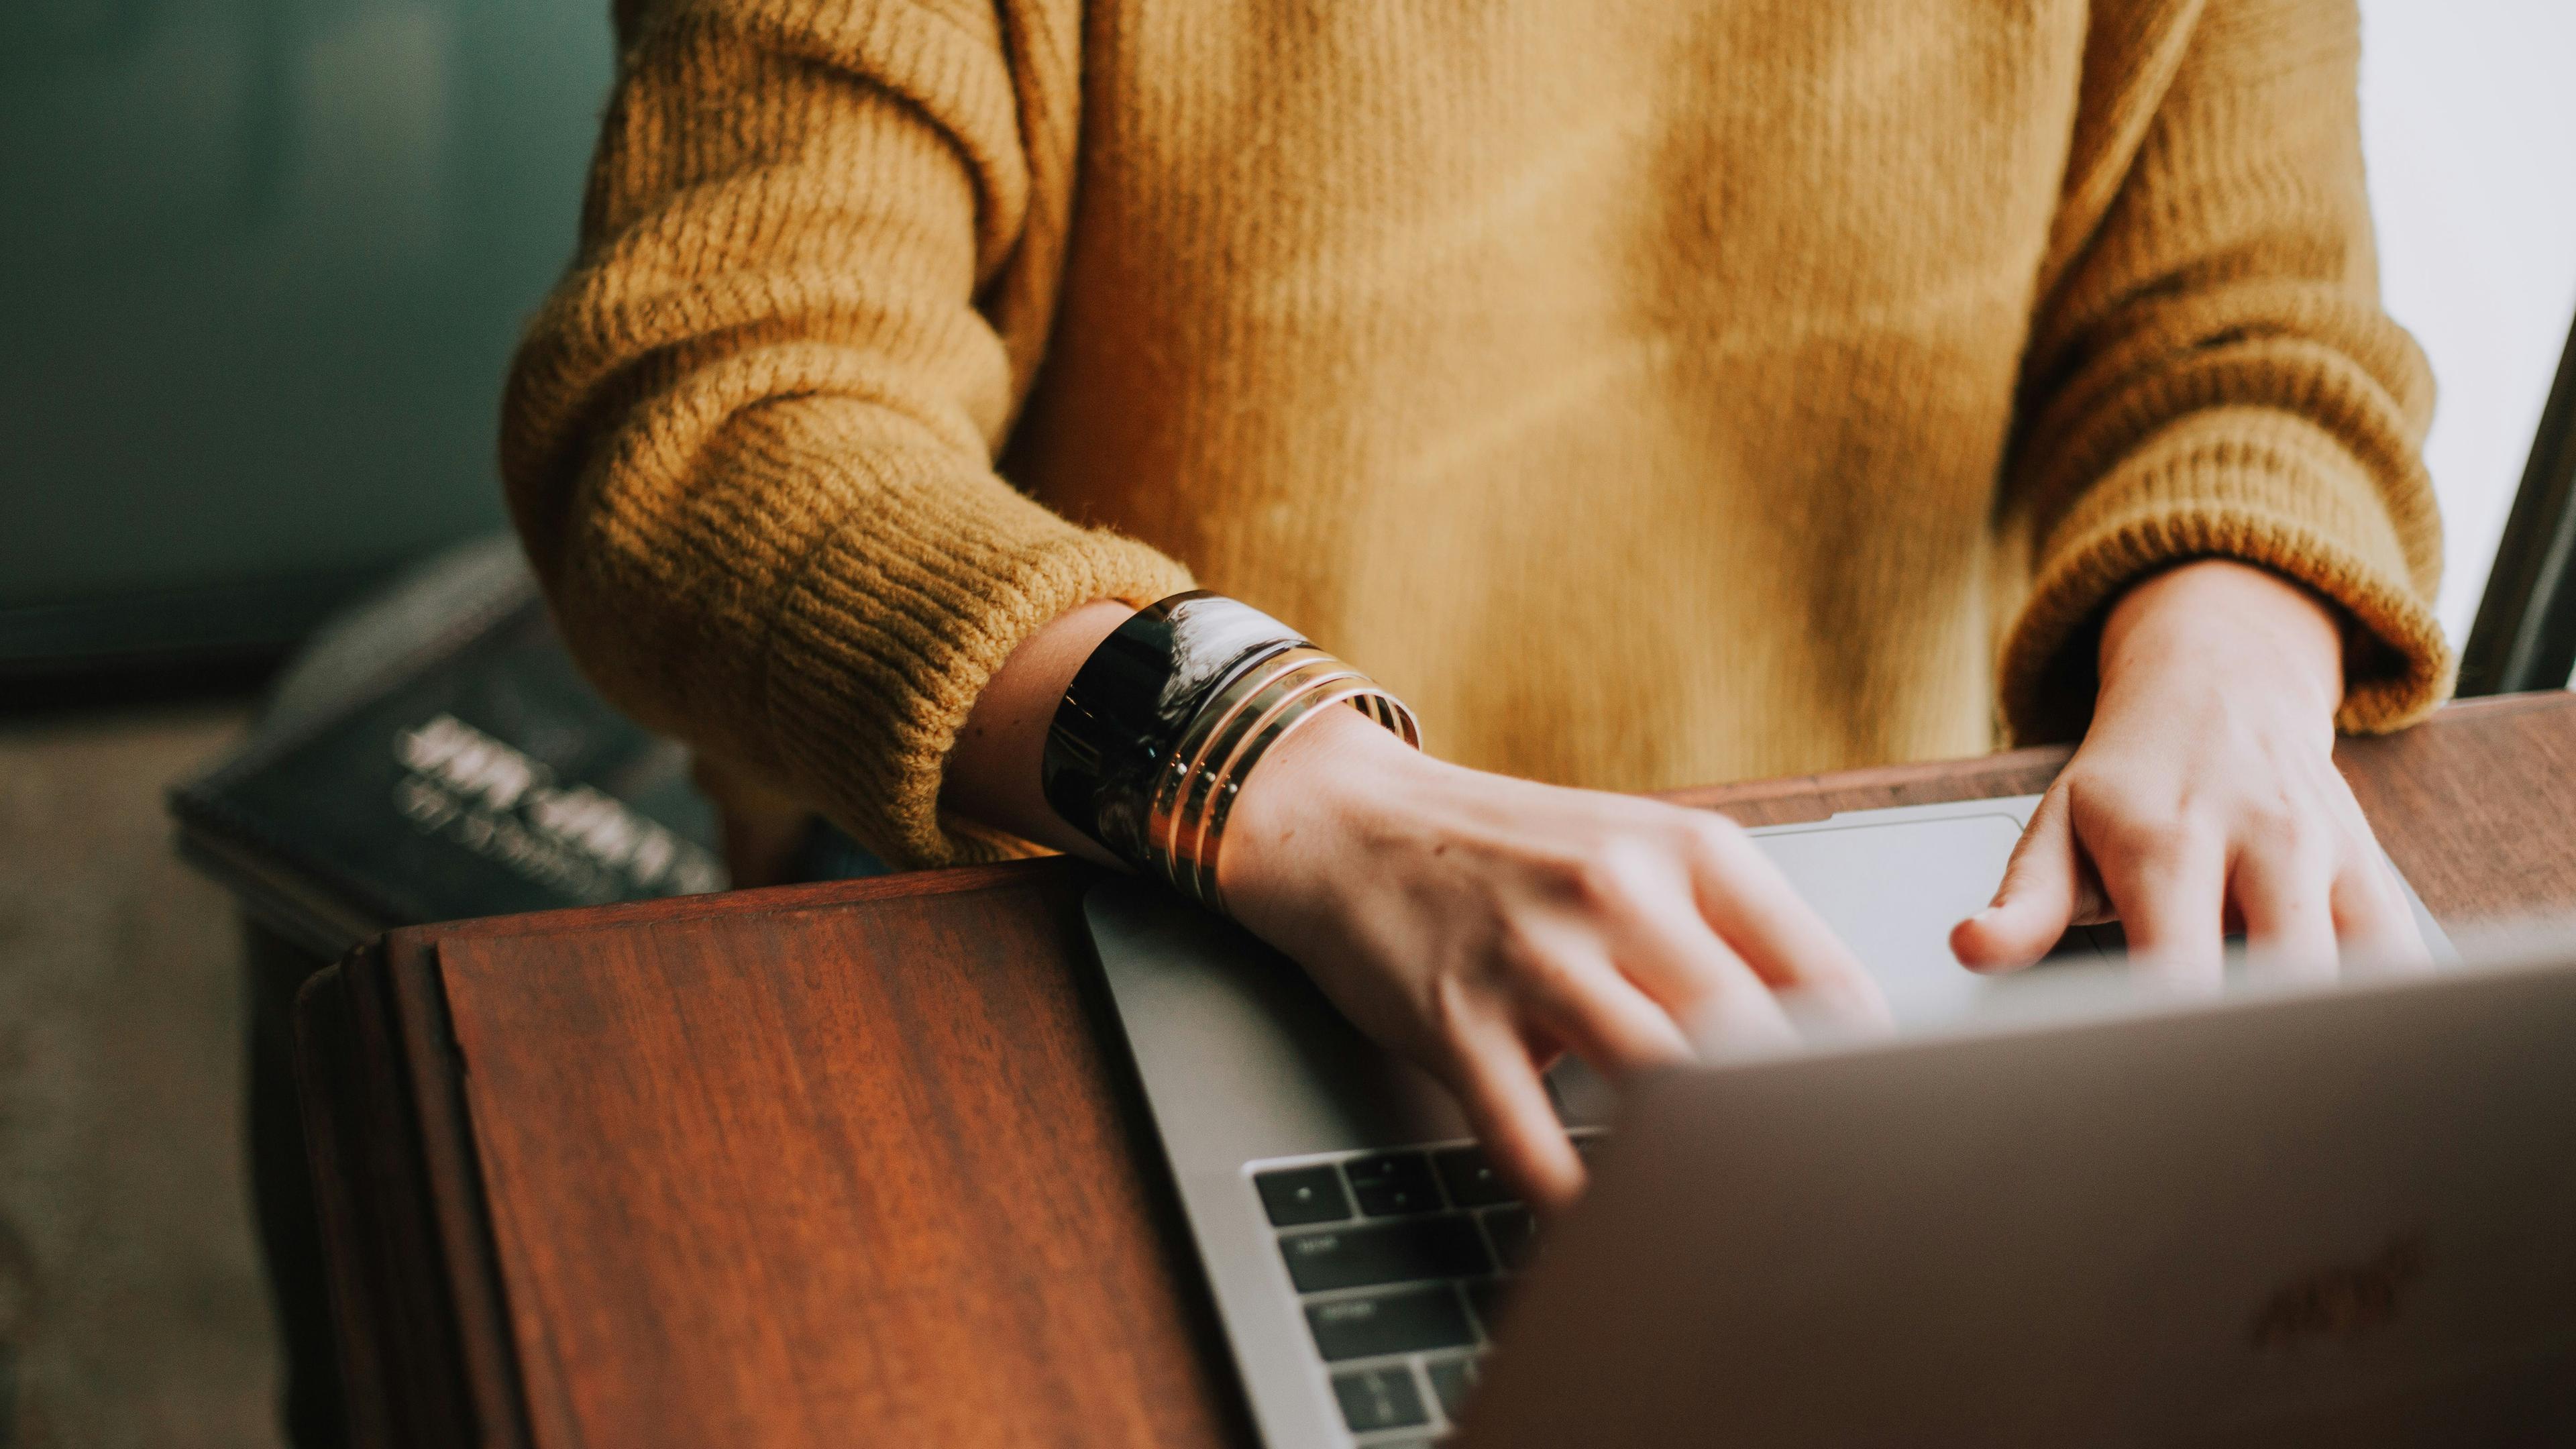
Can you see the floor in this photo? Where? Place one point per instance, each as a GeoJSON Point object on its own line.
{"type": "Point", "coordinates": [131, 1309]}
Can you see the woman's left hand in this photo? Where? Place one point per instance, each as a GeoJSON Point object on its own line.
{"type": "Point", "coordinates": [2205, 798]}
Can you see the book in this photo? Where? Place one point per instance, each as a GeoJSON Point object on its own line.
{"type": "Point", "coordinates": [440, 757]}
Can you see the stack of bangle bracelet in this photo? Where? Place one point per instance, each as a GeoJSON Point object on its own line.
{"type": "Point", "coordinates": [1167, 718]}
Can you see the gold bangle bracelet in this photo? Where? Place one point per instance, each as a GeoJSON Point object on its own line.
{"type": "Point", "coordinates": [1186, 840]}
{"type": "Point", "coordinates": [1360, 692]}
{"type": "Point", "coordinates": [1208, 733]}
{"type": "Point", "coordinates": [1195, 790]}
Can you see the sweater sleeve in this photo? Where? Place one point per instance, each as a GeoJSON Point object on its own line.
{"type": "Point", "coordinates": [2210, 373]}
{"type": "Point", "coordinates": [749, 440]}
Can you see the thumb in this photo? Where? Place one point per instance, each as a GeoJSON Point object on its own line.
{"type": "Point", "coordinates": [2036, 902]}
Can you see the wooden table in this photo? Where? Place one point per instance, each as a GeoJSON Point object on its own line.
{"type": "Point", "coordinates": [858, 1163]}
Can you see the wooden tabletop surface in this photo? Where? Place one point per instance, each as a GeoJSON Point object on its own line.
{"type": "Point", "coordinates": [859, 1162]}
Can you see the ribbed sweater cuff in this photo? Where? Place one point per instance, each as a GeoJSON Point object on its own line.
{"type": "Point", "coordinates": [897, 621]}
{"type": "Point", "coordinates": [2262, 487]}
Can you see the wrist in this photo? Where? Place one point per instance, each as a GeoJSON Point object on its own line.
{"type": "Point", "coordinates": [994, 769]}
{"type": "Point", "coordinates": [1173, 714]}
{"type": "Point", "coordinates": [2248, 626]}
{"type": "Point", "coordinates": [1311, 787]}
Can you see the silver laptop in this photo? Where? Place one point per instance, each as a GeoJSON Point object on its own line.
{"type": "Point", "coordinates": [2042, 1215]}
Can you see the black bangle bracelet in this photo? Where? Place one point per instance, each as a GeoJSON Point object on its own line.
{"type": "Point", "coordinates": [1131, 701]}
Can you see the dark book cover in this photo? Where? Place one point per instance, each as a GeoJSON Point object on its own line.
{"type": "Point", "coordinates": [482, 776]}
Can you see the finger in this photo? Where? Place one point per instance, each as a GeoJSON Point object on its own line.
{"type": "Point", "coordinates": [2169, 885]}
{"type": "Point", "coordinates": [2037, 901]}
{"type": "Point", "coordinates": [2373, 917]}
{"type": "Point", "coordinates": [1673, 955]}
{"type": "Point", "coordinates": [1507, 1104]}
{"type": "Point", "coordinates": [1764, 921]}
{"type": "Point", "coordinates": [1600, 1014]}
{"type": "Point", "coordinates": [2285, 896]}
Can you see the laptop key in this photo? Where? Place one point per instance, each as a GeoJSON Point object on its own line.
{"type": "Point", "coordinates": [1297, 1196]}
{"type": "Point", "coordinates": [1379, 1398]}
{"type": "Point", "coordinates": [1393, 1183]}
{"type": "Point", "coordinates": [1470, 1178]}
{"type": "Point", "coordinates": [1450, 1380]}
{"type": "Point", "coordinates": [1406, 1320]}
{"type": "Point", "coordinates": [1397, 1252]}
{"type": "Point", "coordinates": [1515, 1233]}
{"type": "Point", "coordinates": [1486, 1296]}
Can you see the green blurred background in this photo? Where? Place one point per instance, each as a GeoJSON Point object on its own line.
{"type": "Point", "coordinates": [261, 266]}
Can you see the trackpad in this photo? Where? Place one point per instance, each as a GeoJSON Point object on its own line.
{"type": "Point", "coordinates": [1893, 890]}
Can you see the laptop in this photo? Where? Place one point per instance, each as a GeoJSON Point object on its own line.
{"type": "Point", "coordinates": [2049, 1210]}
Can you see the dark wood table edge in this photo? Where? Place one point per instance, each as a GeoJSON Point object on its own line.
{"type": "Point", "coordinates": [1771, 801]}
{"type": "Point", "coordinates": [417, 1290]}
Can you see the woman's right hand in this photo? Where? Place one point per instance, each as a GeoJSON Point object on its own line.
{"type": "Point", "coordinates": [1480, 924]}
{"type": "Point", "coordinates": [1476, 923]}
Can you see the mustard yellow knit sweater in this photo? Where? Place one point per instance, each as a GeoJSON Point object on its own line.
{"type": "Point", "coordinates": [1652, 392]}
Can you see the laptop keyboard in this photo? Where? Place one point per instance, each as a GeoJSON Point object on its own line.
{"type": "Point", "coordinates": [1400, 1262]}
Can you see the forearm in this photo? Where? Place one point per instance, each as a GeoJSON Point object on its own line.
{"type": "Point", "coordinates": [993, 774]}
{"type": "Point", "coordinates": [749, 441]}
{"type": "Point", "coordinates": [2211, 375]}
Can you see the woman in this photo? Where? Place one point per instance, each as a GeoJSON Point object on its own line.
{"type": "Point", "coordinates": [1646, 393]}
